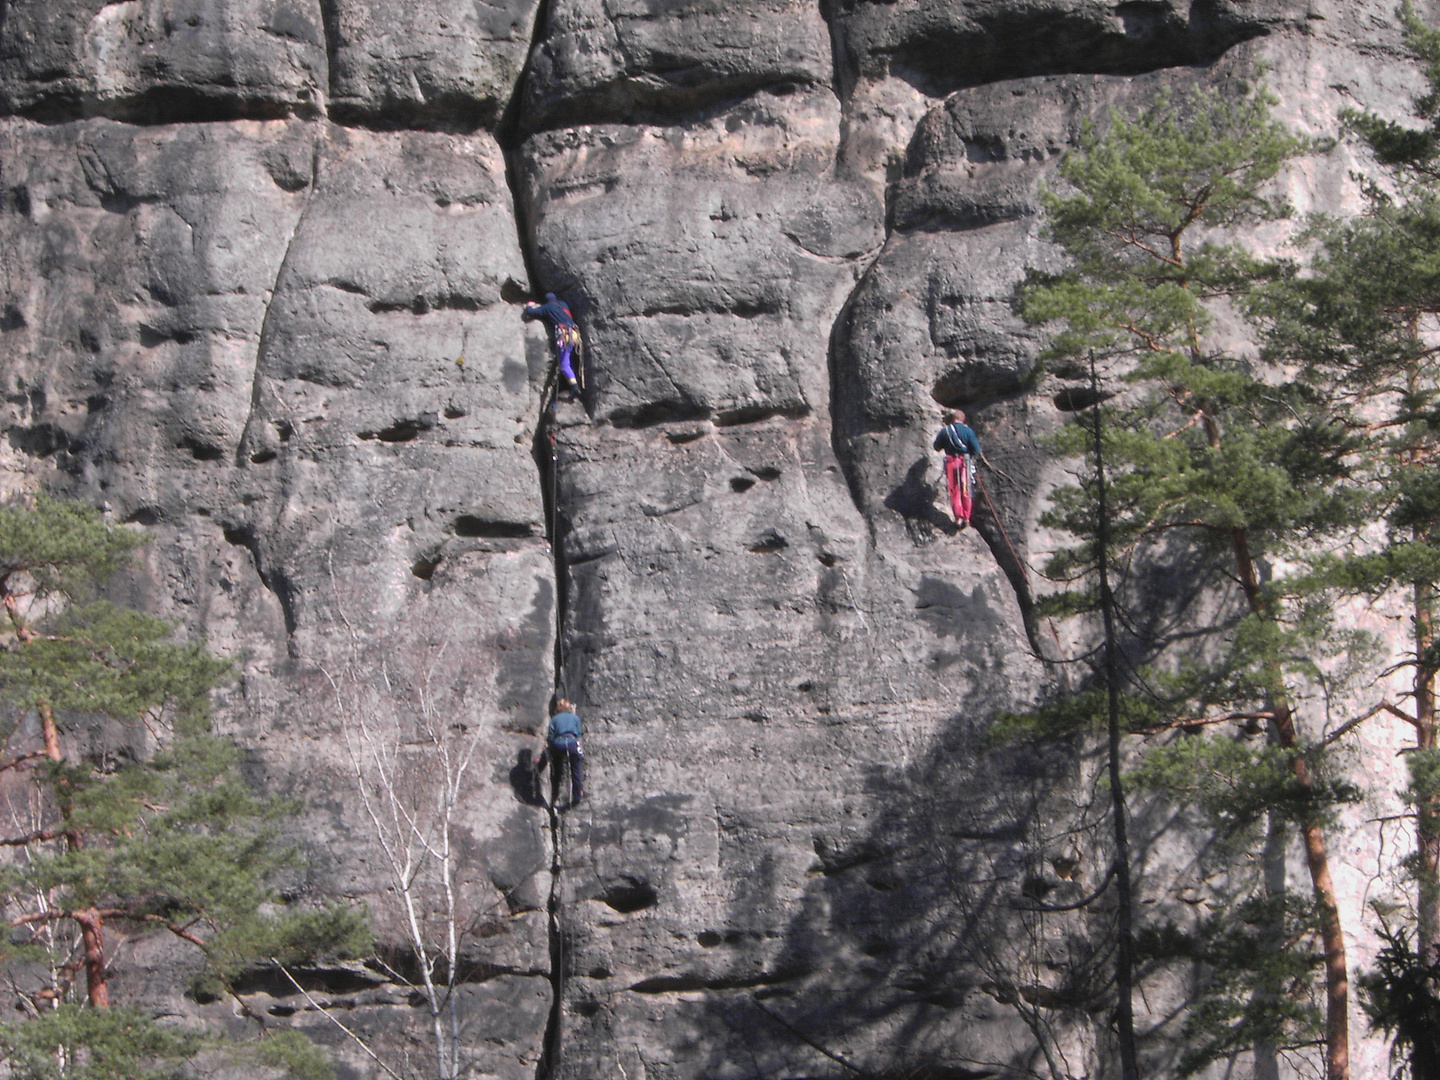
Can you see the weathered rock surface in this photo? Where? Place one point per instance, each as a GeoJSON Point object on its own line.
{"type": "Point", "coordinates": [600, 61]}
{"type": "Point", "coordinates": [442, 63]}
{"type": "Point", "coordinates": [712, 294]}
{"type": "Point", "coordinates": [939, 48]}
{"type": "Point", "coordinates": [244, 250]}
{"type": "Point", "coordinates": [162, 59]}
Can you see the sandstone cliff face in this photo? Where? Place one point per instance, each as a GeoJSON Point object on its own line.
{"type": "Point", "coordinates": [263, 265]}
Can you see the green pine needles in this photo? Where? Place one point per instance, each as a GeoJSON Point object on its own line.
{"type": "Point", "coordinates": [1215, 469]}
{"type": "Point", "coordinates": [126, 813]}
{"type": "Point", "coordinates": [1361, 324]}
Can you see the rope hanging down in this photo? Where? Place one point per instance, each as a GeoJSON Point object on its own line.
{"type": "Point", "coordinates": [985, 494]}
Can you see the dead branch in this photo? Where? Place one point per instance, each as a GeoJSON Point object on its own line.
{"type": "Point", "coordinates": [1354, 722]}
{"type": "Point", "coordinates": [1189, 722]}
{"type": "Point", "coordinates": [329, 1016]}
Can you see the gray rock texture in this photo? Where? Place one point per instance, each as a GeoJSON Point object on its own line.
{"type": "Point", "coordinates": [442, 63]}
{"type": "Point", "coordinates": [598, 61]}
{"type": "Point", "coordinates": [261, 273]}
{"type": "Point", "coordinates": [163, 59]}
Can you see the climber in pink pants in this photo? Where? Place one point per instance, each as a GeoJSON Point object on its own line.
{"type": "Point", "coordinates": [961, 448]}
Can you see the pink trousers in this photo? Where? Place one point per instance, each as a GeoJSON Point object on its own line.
{"type": "Point", "coordinates": [958, 481]}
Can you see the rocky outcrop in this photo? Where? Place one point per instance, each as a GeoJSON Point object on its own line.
{"type": "Point", "coordinates": [261, 274]}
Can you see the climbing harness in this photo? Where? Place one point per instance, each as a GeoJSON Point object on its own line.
{"type": "Point", "coordinates": [567, 339]}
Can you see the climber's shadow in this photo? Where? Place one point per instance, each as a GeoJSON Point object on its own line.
{"type": "Point", "coordinates": [524, 780]}
{"type": "Point", "coordinates": [914, 500]}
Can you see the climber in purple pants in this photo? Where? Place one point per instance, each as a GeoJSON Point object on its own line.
{"type": "Point", "coordinates": [567, 334]}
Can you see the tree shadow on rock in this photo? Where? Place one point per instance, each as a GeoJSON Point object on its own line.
{"type": "Point", "coordinates": [913, 951]}
{"type": "Point", "coordinates": [917, 950]}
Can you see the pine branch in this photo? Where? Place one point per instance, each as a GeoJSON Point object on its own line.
{"type": "Point", "coordinates": [21, 760]}
{"type": "Point", "coordinates": [1191, 722]}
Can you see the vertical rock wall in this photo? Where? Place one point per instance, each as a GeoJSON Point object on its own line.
{"type": "Point", "coordinates": [261, 268]}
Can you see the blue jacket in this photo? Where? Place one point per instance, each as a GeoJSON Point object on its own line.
{"type": "Point", "coordinates": [553, 309]}
{"type": "Point", "coordinates": [957, 438]}
{"type": "Point", "coordinates": [564, 723]}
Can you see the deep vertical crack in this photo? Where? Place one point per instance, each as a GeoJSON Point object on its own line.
{"type": "Point", "coordinates": [553, 1045]}
{"type": "Point", "coordinates": [508, 135]}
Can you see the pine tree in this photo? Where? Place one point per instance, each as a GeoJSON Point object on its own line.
{"type": "Point", "coordinates": [1361, 322]}
{"type": "Point", "coordinates": [1209, 463]}
{"type": "Point", "coordinates": [126, 811]}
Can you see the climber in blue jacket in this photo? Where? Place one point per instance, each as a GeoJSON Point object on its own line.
{"type": "Point", "coordinates": [564, 738]}
{"type": "Point", "coordinates": [567, 334]}
{"type": "Point", "coordinates": [957, 439]}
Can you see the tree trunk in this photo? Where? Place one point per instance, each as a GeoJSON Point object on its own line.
{"type": "Point", "coordinates": [97, 982]}
{"type": "Point", "coordinates": [92, 926]}
{"type": "Point", "coordinates": [1332, 936]}
{"type": "Point", "coordinates": [1125, 906]}
{"type": "Point", "coordinates": [1427, 807]}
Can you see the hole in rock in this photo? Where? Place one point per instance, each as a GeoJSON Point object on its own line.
{"type": "Point", "coordinates": [424, 567]}
{"type": "Point", "coordinates": [327, 980]}
{"type": "Point", "coordinates": [1075, 398]}
{"type": "Point", "coordinates": [976, 382]}
{"type": "Point", "coordinates": [770, 540]}
{"type": "Point", "coordinates": [766, 472]}
{"type": "Point", "coordinates": [41, 440]}
{"type": "Point", "coordinates": [599, 973]}
{"type": "Point", "coordinates": [629, 895]}
{"type": "Point", "coordinates": [741, 483]}
{"type": "Point", "coordinates": [201, 450]}
{"type": "Point", "coordinates": [262, 456]}
{"type": "Point", "coordinates": [146, 515]}
{"type": "Point", "coordinates": [827, 558]}
{"type": "Point", "coordinates": [468, 525]}
{"type": "Point", "coordinates": [151, 336]}
{"type": "Point", "coordinates": [709, 938]}
{"type": "Point", "coordinates": [402, 430]}
{"type": "Point", "coordinates": [658, 412]}
{"type": "Point", "coordinates": [588, 1008]}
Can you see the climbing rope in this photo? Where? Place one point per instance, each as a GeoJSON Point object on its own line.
{"type": "Point", "coordinates": [557, 899]}
{"type": "Point", "coordinates": [984, 494]}
{"type": "Point", "coordinates": [549, 399]}
{"type": "Point", "coordinates": [1024, 567]}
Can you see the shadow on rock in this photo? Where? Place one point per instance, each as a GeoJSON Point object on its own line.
{"type": "Point", "coordinates": [964, 932]}
{"type": "Point", "coordinates": [914, 500]}
{"type": "Point", "coordinates": [525, 781]}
